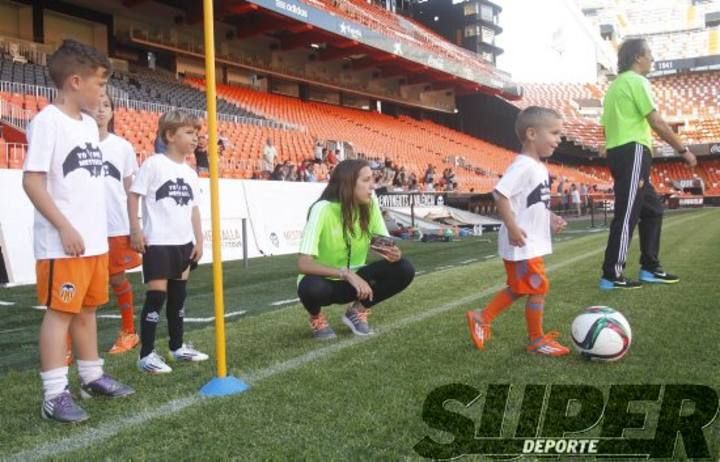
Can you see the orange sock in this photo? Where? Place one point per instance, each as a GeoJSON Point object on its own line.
{"type": "Point", "coordinates": [534, 316]}
{"type": "Point", "coordinates": [124, 295]}
{"type": "Point", "coordinates": [498, 304]}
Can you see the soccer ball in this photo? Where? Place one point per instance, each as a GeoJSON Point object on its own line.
{"type": "Point", "coordinates": [601, 333]}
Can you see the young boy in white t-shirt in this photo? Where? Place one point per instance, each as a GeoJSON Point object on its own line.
{"type": "Point", "coordinates": [63, 177]}
{"type": "Point", "coordinates": [170, 238]}
{"type": "Point", "coordinates": [523, 197]}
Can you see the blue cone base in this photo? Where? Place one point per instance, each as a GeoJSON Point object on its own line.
{"type": "Point", "coordinates": [223, 386]}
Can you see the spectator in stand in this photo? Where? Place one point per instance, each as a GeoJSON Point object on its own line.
{"type": "Point", "coordinates": [321, 172]}
{"type": "Point", "coordinates": [388, 172]}
{"type": "Point", "coordinates": [339, 157]}
{"type": "Point", "coordinates": [310, 173]}
{"type": "Point", "coordinates": [269, 155]}
{"type": "Point", "coordinates": [575, 199]}
{"type": "Point", "coordinates": [319, 152]}
{"type": "Point", "coordinates": [201, 156]}
{"type": "Point", "coordinates": [331, 158]}
{"type": "Point", "coordinates": [401, 177]}
{"type": "Point", "coordinates": [450, 176]}
{"type": "Point", "coordinates": [584, 189]}
{"type": "Point", "coordinates": [395, 178]}
{"type": "Point", "coordinates": [377, 177]}
{"type": "Point", "coordinates": [223, 143]}
{"type": "Point", "coordinates": [301, 172]}
{"type": "Point", "coordinates": [278, 173]}
{"type": "Point", "coordinates": [292, 174]}
{"type": "Point", "coordinates": [429, 177]}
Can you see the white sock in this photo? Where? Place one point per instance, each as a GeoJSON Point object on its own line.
{"type": "Point", "coordinates": [54, 382]}
{"type": "Point", "coordinates": [90, 371]}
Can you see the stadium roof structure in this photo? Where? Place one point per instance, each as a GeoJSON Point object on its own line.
{"type": "Point", "coordinates": [313, 23]}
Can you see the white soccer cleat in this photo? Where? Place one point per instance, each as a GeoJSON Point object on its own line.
{"type": "Point", "coordinates": [153, 364]}
{"type": "Point", "coordinates": [187, 353]}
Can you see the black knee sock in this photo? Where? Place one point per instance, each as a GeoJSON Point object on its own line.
{"type": "Point", "coordinates": [177, 291]}
{"type": "Point", "coordinates": [154, 300]}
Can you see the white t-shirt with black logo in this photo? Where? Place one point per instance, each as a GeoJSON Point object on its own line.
{"type": "Point", "coordinates": [119, 162]}
{"type": "Point", "coordinates": [170, 190]}
{"type": "Point", "coordinates": [68, 151]}
{"type": "Point", "coordinates": [526, 183]}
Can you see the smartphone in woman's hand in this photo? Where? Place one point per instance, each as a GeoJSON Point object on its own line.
{"type": "Point", "coordinates": [382, 241]}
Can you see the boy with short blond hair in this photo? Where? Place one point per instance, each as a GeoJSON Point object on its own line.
{"type": "Point", "coordinates": [170, 238]}
{"type": "Point", "coordinates": [523, 198]}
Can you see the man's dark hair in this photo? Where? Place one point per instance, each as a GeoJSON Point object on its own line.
{"type": "Point", "coordinates": [73, 57]}
{"type": "Point", "coordinates": [629, 50]}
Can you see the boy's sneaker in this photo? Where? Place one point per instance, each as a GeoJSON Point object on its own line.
{"type": "Point", "coordinates": [63, 408]}
{"type": "Point", "coordinates": [479, 329]}
{"type": "Point", "coordinates": [546, 345]}
{"type": "Point", "coordinates": [659, 276]}
{"type": "Point", "coordinates": [356, 318]}
{"type": "Point", "coordinates": [125, 342]}
{"type": "Point", "coordinates": [320, 327]}
{"type": "Point", "coordinates": [187, 353]}
{"type": "Point", "coordinates": [619, 283]}
{"type": "Point", "coordinates": [153, 364]}
{"type": "Point", "coordinates": [105, 386]}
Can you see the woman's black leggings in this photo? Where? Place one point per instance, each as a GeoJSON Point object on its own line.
{"type": "Point", "coordinates": [386, 279]}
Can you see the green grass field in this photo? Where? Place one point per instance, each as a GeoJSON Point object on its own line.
{"type": "Point", "coordinates": [362, 399]}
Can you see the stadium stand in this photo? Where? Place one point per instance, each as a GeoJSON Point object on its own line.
{"type": "Point", "coordinates": [690, 99]}
{"type": "Point", "coordinates": [412, 143]}
{"type": "Point", "coordinates": [400, 28]}
{"type": "Point", "coordinates": [139, 85]}
{"type": "Point", "coordinates": [409, 142]}
{"type": "Point", "coordinates": [664, 173]}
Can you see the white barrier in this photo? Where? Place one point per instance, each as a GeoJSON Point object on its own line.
{"type": "Point", "coordinates": [278, 211]}
{"type": "Point", "coordinates": [16, 228]}
{"type": "Point", "coordinates": [275, 213]}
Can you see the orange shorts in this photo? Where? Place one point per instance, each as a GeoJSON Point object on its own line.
{"type": "Point", "coordinates": [122, 256]}
{"type": "Point", "coordinates": [68, 284]}
{"type": "Point", "coordinates": [527, 277]}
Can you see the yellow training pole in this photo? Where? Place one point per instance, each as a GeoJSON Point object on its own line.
{"type": "Point", "coordinates": [222, 385]}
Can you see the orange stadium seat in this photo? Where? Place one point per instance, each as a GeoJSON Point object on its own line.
{"type": "Point", "coordinates": [406, 141]}
{"type": "Point", "coordinates": [688, 99]}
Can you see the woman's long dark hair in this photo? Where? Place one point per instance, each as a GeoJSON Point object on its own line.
{"type": "Point", "coordinates": [341, 188]}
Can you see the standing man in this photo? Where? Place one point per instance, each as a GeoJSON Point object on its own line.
{"type": "Point", "coordinates": [629, 114]}
{"type": "Point", "coordinates": [269, 155]}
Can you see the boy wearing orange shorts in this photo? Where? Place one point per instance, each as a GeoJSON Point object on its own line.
{"type": "Point", "coordinates": [63, 177]}
{"type": "Point", "coordinates": [523, 196]}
